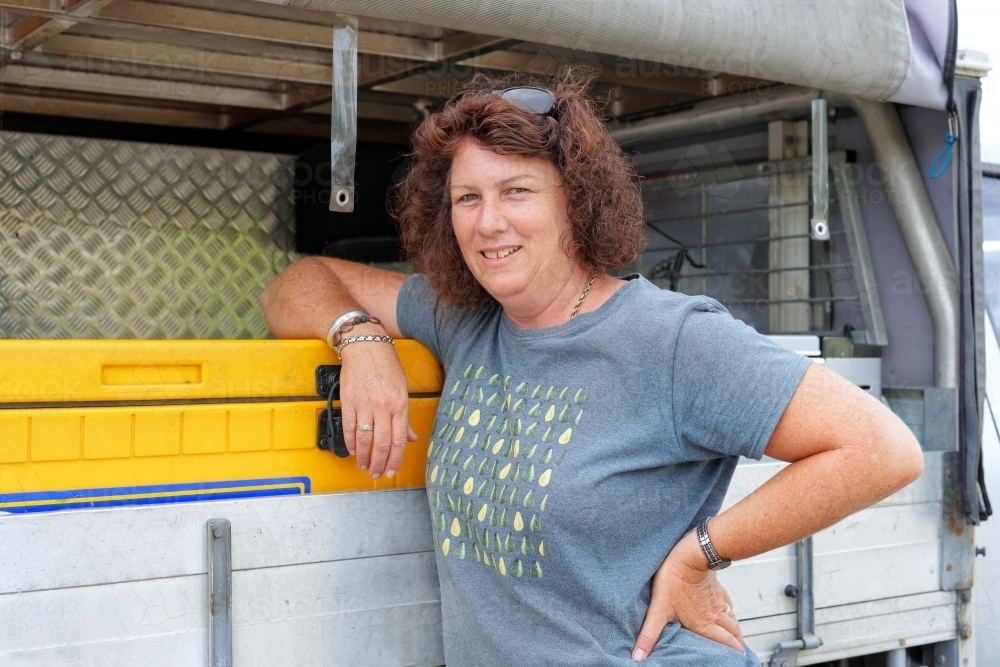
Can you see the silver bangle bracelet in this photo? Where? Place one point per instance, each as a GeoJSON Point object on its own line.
{"type": "Point", "coordinates": [339, 322]}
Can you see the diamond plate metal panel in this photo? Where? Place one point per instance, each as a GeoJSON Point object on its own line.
{"type": "Point", "coordinates": [114, 239]}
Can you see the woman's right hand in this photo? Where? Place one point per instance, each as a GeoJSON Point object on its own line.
{"type": "Point", "coordinates": [373, 391]}
{"type": "Point", "coordinates": [685, 590]}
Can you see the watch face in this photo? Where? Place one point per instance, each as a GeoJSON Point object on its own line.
{"type": "Point", "coordinates": [722, 564]}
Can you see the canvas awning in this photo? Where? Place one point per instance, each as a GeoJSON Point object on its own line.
{"type": "Point", "coordinates": [245, 66]}
{"type": "Point", "coordinates": [877, 49]}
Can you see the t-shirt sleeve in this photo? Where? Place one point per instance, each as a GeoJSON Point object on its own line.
{"type": "Point", "coordinates": [417, 313]}
{"type": "Point", "coordinates": [730, 384]}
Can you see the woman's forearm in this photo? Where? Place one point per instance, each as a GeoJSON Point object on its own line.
{"type": "Point", "coordinates": [863, 454]}
{"type": "Point", "coordinates": [302, 300]}
{"type": "Point", "coordinates": [802, 499]}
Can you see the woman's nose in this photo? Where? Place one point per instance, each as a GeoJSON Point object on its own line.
{"type": "Point", "coordinates": [491, 217]}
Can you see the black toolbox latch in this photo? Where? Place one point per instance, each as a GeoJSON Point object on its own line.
{"type": "Point", "coordinates": [331, 436]}
{"type": "Point", "coordinates": [330, 431]}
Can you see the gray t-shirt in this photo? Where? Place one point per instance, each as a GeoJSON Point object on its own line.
{"type": "Point", "coordinates": [566, 462]}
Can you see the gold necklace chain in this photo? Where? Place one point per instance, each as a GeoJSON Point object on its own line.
{"type": "Point", "coordinates": [586, 291]}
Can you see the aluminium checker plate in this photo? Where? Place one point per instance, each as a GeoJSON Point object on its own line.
{"type": "Point", "coordinates": [117, 240]}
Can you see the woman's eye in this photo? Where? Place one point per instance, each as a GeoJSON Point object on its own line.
{"type": "Point", "coordinates": [517, 191]}
{"type": "Point", "coordinates": [468, 197]}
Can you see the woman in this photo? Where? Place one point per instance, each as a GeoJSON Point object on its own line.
{"type": "Point", "coordinates": [589, 424]}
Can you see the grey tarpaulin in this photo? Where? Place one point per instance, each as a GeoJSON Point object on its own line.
{"type": "Point", "coordinates": [928, 22]}
{"type": "Point", "coordinates": [861, 47]}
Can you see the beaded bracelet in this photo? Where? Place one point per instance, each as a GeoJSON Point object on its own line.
{"type": "Point", "coordinates": [364, 337]}
{"type": "Point", "coordinates": [347, 321]}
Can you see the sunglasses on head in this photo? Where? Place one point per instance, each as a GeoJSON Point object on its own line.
{"type": "Point", "coordinates": [529, 98]}
{"type": "Point", "coordinates": [537, 100]}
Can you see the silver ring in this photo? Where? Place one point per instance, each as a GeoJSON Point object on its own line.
{"type": "Point", "coordinates": [728, 608]}
{"type": "Point", "coordinates": [365, 427]}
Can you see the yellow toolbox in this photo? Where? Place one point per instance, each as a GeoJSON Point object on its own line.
{"type": "Point", "coordinates": [99, 423]}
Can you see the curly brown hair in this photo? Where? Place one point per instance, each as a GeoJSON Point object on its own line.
{"type": "Point", "coordinates": [605, 209]}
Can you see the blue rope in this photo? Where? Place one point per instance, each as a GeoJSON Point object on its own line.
{"type": "Point", "coordinates": [942, 160]}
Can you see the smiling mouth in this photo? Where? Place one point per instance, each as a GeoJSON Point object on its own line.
{"type": "Point", "coordinates": [500, 254]}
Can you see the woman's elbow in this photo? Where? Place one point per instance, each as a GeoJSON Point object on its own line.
{"type": "Point", "coordinates": [266, 297]}
{"type": "Point", "coordinates": [889, 452]}
{"type": "Point", "coordinates": [269, 302]}
{"type": "Point", "coordinates": [299, 273]}
{"type": "Point", "coordinates": [916, 459]}
{"type": "Point", "coordinates": [906, 458]}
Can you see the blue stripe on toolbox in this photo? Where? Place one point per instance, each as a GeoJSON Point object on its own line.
{"type": "Point", "coordinates": [152, 495]}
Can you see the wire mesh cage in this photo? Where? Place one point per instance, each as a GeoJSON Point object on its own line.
{"type": "Point", "coordinates": [741, 235]}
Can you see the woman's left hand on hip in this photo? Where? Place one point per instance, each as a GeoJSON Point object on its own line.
{"type": "Point", "coordinates": [685, 590]}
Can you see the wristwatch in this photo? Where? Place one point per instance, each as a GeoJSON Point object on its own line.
{"type": "Point", "coordinates": [715, 562]}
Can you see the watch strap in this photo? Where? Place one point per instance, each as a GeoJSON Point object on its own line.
{"type": "Point", "coordinates": [715, 562]}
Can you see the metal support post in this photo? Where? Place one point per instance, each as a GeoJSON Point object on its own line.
{"type": "Point", "coordinates": [946, 654]}
{"type": "Point", "coordinates": [918, 223]}
{"type": "Point", "coordinates": [806, 601]}
{"type": "Point", "coordinates": [965, 612]}
{"type": "Point", "coordinates": [787, 653]}
{"type": "Point", "coordinates": [788, 291]}
{"type": "Point", "coordinates": [819, 225]}
{"type": "Point", "coordinates": [344, 115]}
{"type": "Point", "coordinates": [220, 593]}
{"type": "Point", "coordinates": [896, 658]}
{"type": "Point", "coordinates": [857, 242]}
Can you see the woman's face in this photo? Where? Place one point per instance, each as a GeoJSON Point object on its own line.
{"type": "Point", "coordinates": [510, 216]}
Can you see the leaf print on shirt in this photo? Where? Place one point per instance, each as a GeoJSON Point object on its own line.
{"type": "Point", "coordinates": [484, 481]}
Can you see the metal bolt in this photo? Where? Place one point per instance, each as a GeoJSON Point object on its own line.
{"type": "Point", "coordinates": [792, 591]}
{"type": "Point", "coordinates": [217, 532]}
{"type": "Point", "coordinates": [980, 551]}
{"type": "Point", "coordinates": [324, 443]}
{"type": "Point", "coordinates": [966, 632]}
